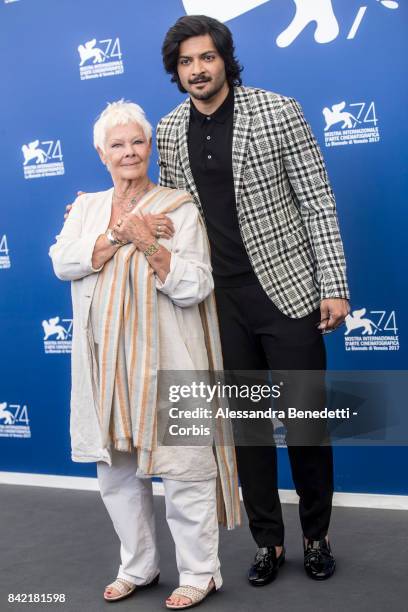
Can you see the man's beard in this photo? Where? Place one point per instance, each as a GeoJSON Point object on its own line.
{"type": "Point", "coordinates": [207, 94]}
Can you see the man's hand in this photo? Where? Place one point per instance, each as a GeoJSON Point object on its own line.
{"type": "Point", "coordinates": [333, 311]}
{"type": "Point", "coordinates": [69, 206]}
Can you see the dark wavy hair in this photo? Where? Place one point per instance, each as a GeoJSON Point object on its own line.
{"type": "Point", "coordinates": [199, 25]}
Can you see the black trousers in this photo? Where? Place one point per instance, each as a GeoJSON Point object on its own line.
{"type": "Point", "coordinates": [255, 335]}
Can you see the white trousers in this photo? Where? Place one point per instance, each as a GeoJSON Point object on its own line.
{"type": "Point", "coordinates": [191, 514]}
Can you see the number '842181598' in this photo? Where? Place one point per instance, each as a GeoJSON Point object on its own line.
{"type": "Point", "coordinates": [36, 597]}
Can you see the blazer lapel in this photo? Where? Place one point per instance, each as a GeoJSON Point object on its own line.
{"type": "Point", "coordinates": [104, 213]}
{"type": "Point", "coordinates": [241, 137]}
{"type": "Point", "coordinates": [182, 147]}
{"type": "Point", "coordinates": [97, 221]}
{"type": "Point", "coordinates": [240, 143]}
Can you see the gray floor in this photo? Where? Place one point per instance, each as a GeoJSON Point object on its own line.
{"type": "Point", "coordinates": [60, 541]}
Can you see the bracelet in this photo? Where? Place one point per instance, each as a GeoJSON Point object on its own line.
{"type": "Point", "coordinates": [152, 249]}
{"type": "Point", "coordinates": [112, 238]}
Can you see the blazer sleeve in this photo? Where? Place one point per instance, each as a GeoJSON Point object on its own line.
{"type": "Point", "coordinates": [190, 279]}
{"type": "Point", "coordinates": [72, 252]}
{"type": "Point", "coordinates": [307, 175]}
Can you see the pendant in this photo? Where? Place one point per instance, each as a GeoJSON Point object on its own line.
{"type": "Point", "coordinates": [131, 204]}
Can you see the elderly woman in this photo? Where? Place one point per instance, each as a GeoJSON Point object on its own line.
{"type": "Point", "coordinates": [141, 305]}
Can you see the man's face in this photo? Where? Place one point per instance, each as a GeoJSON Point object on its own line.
{"type": "Point", "coordinates": [200, 67]}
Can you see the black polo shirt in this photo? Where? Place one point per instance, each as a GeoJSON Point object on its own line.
{"type": "Point", "coordinates": [210, 153]}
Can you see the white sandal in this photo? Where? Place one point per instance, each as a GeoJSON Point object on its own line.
{"type": "Point", "coordinates": [124, 587]}
{"type": "Point", "coordinates": [194, 593]}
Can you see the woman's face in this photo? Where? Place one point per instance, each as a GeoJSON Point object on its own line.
{"type": "Point", "coordinates": [127, 152]}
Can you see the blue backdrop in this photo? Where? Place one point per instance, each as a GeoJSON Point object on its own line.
{"type": "Point", "coordinates": [344, 62]}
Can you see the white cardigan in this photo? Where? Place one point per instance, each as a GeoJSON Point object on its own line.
{"type": "Point", "coordinates": [182, 345]}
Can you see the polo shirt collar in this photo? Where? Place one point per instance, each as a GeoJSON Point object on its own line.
{"type": "Point", "coordinates": [221, 114]}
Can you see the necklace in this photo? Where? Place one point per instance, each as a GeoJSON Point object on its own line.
{"type": "Point", "coordinates": [134, 199]}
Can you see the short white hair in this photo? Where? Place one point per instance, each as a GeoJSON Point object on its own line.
{"type": "Point", "coordinates": [121, 112]}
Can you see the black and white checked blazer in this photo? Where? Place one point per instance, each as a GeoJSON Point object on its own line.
{"type": "Point", "coordinates": [286, 208]}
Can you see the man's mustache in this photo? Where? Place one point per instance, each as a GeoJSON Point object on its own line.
{"type": "Point", "coordinates": [200, 79]}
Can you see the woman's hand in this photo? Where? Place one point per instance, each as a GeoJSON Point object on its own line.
{"type": "Point", "coordinates": [160, 225]}
{"type": "Point", "coordinates": [134, 228]}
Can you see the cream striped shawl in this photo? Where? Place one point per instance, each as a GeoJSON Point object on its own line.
{"type": "Point", "coordinates": [129, 358]}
